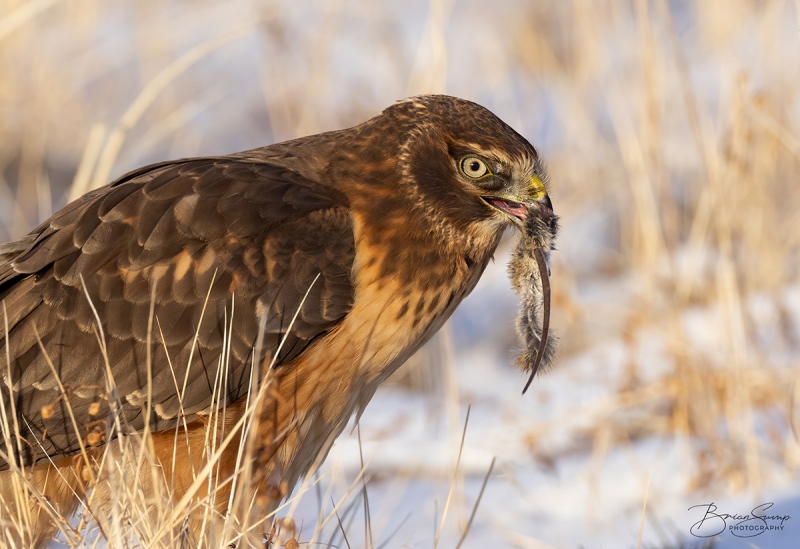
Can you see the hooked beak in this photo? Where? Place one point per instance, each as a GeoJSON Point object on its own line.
{"type": "Point", "coordinates": [517, 210]}
{"type": "Point", "coordinates": [535, 193]}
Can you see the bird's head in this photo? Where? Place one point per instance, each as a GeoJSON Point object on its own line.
{"type": "Point", "coordinates": [467, 162]}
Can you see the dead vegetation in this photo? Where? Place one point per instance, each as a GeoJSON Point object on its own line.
{"type": "Point", "coordinates": [672, 135]}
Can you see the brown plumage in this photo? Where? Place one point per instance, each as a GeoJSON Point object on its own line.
{"type": "Point", "coordinates": [379, 231]}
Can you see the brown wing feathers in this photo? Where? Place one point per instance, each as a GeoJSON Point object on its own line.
{"type": "Point", "coordinates": [260, 231]}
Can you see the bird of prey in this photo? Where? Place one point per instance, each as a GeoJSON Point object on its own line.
{"type": "Point", "coordinates": [321, 263]}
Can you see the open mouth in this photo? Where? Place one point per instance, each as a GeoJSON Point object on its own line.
{"type": "Point", "coordinates": [514, 209]}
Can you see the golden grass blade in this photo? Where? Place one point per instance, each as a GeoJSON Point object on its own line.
{"type": "Point", "coordinates": [24, 13]}
{"type": "Point", "coordinates": [477, 503]}
{"type": "Point", "coordinates": [190, 493]}
{"type": "Point", "coordinates": [368, 541]}
{"type": "Point", "coordinates": [644, 508]}
{"type": "Point", "coordinates": [452, 482]}
{"type": "Point", "coordinates": [152, 90]}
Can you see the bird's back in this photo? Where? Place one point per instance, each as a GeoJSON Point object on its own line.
{"type": "Point", "coordinates": [173, 265]}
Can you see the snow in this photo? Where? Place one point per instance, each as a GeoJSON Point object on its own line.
{"type": "Point", "coordinates": [552, 485]}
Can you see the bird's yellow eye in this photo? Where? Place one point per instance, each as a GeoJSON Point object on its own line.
{"type": "Point", "coordinates": [474, 167]}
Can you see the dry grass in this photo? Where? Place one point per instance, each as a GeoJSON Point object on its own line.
{"type": "Point", "coordinates": [707, 222]}
{"type": "Point", "coordinates": [675, 130]}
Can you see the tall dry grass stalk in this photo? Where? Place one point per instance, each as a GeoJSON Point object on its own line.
{"type": "Point", "coordinates": [708, 146]}
{"type": "Point", "coordinates": [127, 497]}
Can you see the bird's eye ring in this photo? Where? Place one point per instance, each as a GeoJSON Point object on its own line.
{"type": "Point", "coordinates": [473, 167]}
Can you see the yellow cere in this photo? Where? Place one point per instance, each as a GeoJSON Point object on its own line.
{"type": "Point", "coordinates": [537, 188]}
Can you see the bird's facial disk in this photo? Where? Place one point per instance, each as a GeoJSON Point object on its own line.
{"type": "Point", "coordinates": [499, 187]}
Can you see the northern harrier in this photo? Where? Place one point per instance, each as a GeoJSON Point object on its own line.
{"type": "Point", "coordinates": [321, 263]}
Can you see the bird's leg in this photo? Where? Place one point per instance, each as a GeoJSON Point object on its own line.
{"type": "Point", "coordinates": [529, 272]}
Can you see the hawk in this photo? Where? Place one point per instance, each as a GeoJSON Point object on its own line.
{"type": "Point", "coordinates": [320, 263]}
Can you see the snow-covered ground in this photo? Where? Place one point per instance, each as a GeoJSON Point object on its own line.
{"type": "Point", "coordinates": [552, 486]}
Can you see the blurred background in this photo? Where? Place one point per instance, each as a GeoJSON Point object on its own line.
{"type": "Point", "coordinates": [672, 134]}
